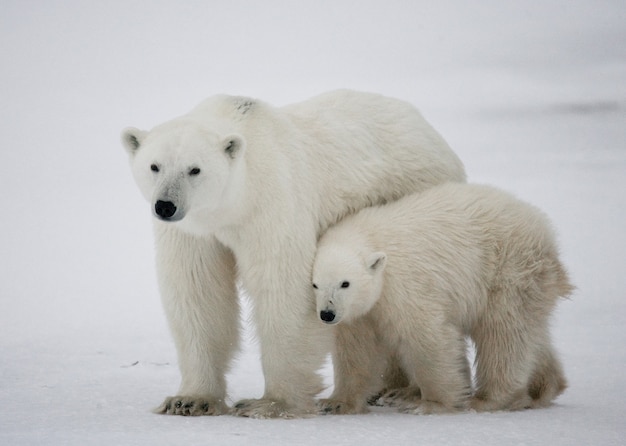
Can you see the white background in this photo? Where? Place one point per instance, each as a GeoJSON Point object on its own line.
{"type": "Point", "coordinates": [530, 94]}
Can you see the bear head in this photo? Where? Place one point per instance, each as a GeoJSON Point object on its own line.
{"type": "Point", "coordinates": [186, 171]}
{"type": "Point", "coordinates": [346, 283]}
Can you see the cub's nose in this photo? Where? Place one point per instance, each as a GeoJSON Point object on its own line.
{"type": "Point", "coordinates": [327, 316]}
{"type": "Point", "coordinates": [165, 209]}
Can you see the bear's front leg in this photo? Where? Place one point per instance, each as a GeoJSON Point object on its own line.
{"type": "Point", "coordinates": [294, 345]}
{"type": "Point", "coordinates": [197, 283]}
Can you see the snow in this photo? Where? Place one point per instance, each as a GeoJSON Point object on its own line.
{"type": "Point", "coordinates": [531, 95]}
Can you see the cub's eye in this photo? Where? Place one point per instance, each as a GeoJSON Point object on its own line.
{"type": "Point", "coordinates": [194, 171]}
{"type": "Point", "coordinates": [154, 168]}
{"type": "Point", "coordinates": [314, 286]}
{"type": "Point", "coordinates": [345, 284]}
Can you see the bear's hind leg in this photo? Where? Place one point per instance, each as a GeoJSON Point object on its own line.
{"type": "Point", "coordinates": [505, 356]}
{"type": "Point", "coordinates": [548, 380]}
{"type": "Point", "coordinates": [294, 345]}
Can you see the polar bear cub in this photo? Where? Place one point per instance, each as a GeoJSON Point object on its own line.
{"type": "Point", "coordinates": [408, 281]}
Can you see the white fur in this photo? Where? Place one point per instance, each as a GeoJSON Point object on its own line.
{"type": "Point", "coordinates": [256, 186]}
{"type": "Point", "coordinates": [408, 281]}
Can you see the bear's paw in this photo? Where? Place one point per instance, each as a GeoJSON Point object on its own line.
{"type": "Point", "coordinates": [266, 408]}
{"type": "Point", "coordinates": [337, 407]}
{"type": "Point", "coordinates": [192, 406]}
{"type": "Point", "coordinates": [400, 397]}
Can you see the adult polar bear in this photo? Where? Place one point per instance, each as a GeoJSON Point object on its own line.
{"type": "Point", "coordinates": [242, 190]}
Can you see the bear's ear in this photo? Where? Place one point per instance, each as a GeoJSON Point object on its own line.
{"type": "Point", "coordinates": [132, 138]}
{"type": "Point", "coordinates": [234, 146]}
{"type": "Point", "coordinates": [376, 262]}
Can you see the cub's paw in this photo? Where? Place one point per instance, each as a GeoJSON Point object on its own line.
{"type": "Point", "coordinates": [265, 408]}
{"type": "Point", "coordinates": [401, 397]}
{"type": "Point", "coordinates": [191, 406]}
{"type": "Point", "coordinates": [337, 407]}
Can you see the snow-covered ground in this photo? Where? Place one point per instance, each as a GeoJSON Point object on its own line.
{"type": "Point", "coordinates": [531, 95]}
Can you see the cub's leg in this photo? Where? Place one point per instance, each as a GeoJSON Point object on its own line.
{"type": "Point", "coordinates": [435, 360]}
{"type": "Point", "coordinates": [548, 380]}
{"type": "Point", "coordinates": [396, 387]}
{"type": "Point", "coordinates": [197, 284]}
{"type": "Point", "coordinates": [552, 283]}
{"type": "Point", "coordinates": [505, 357]}
{"type": "Point", "coordinates": [359, 363]}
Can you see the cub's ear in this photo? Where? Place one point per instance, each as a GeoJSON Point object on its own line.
{"type": "Point", "coordinates": [132, 138]}
{"type": "Point", "coordinates": [376, 262]}
{"type": "Point", "coordinates": [234, 146]}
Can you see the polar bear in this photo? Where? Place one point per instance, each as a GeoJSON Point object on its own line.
{"type": "Point", "coordinates": [241, 191]}
{"type": "Point", "coordinates": [410, 280]}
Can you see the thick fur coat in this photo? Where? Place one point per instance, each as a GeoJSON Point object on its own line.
{"type": "Point", "coordinates": [241, 190]}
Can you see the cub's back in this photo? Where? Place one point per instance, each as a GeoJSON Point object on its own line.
{"type": "Point", "coordinates": [451, 240]}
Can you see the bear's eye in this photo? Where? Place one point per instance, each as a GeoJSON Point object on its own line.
{"type": "Point", "coordinates": [314, 286]}
{"type": "Point", "coordinates": [345, 284]}
{"type": "Point", "coordinates": [154, 168]}
{"type": "Point", "coordinates": [194, 171]}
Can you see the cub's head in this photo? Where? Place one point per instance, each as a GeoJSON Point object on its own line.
{"type": "Point", "coordinates": [183, 169]}
{"type": "Point", "coordinates": [346, 282]}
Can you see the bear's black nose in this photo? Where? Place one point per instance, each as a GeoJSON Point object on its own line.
{"type": "Point", "coordinates": [164, 209]}
{"type": "Point", "coordinates": [327, 316]}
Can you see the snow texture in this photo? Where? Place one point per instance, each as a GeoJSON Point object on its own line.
{"type": "Point", "coordinates": [530, 94]}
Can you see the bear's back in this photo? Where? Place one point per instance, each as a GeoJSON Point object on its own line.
{"type": "Point", "coordinates": [333, 154]}
{"type": "Point", "coordinates": [236, 109]}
